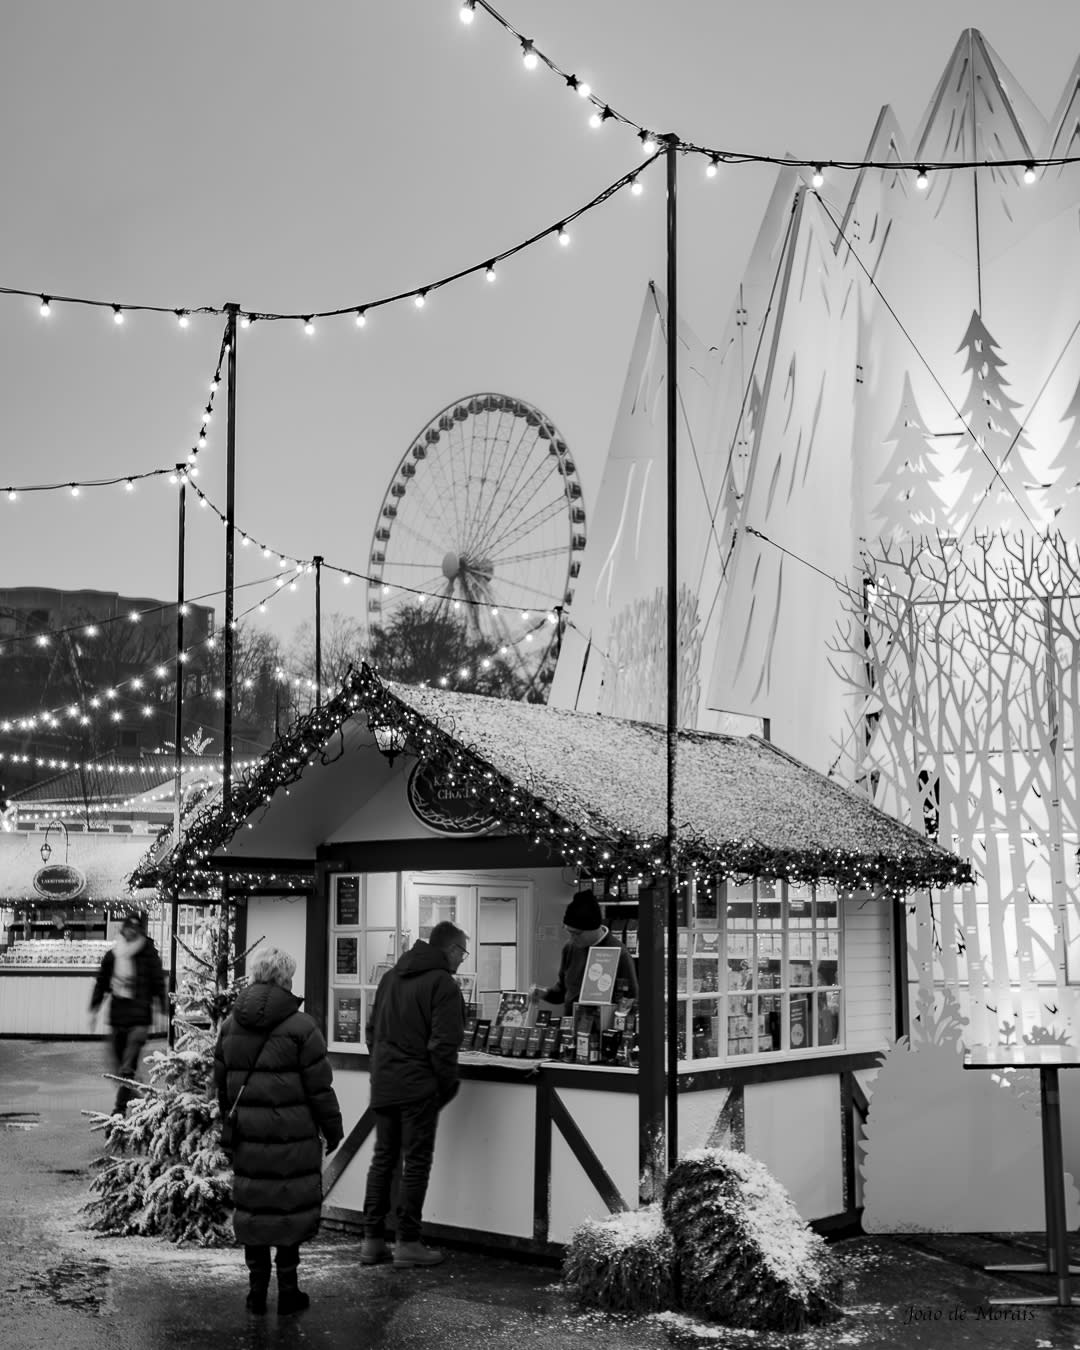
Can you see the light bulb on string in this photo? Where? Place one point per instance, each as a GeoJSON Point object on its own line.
{"type": "Point", "coordinates": [207, 414]}
{"type": "Point", "coordinates": [598, 117]}
{"type": "Point", "coordinates": [45, 309]}
{"type": "Point", "coordinates": [489, 271]}
{"type": "Point", "coordinates": [817, 179]}
{"type": "Point", "coordinates": [529, 58]}
{"type": "Point", "coordinates": [922, 180]}
{"type": "Point", "coordinates": [584, 89]}
{"type": "Point", "coordinates": [74, 489]}
{"type": "Point", "coordinates": [129, 485]}
{"type": "Point", "coordinates": [118, 314]}
{"type": "Point", "coordinates": [713, 167]}
{"type": "Point", "coordinates": [1029, 173]}
{"type": "Point", "coordinates": [214, 384]}
{"type": "Point", "coordinates": [182, 318]}
{"type": "Point", "coordinates": [648, 144]}
{"type": "Point", "coordinates": [468, 11]}
{"type": "Point", "coordinates": [309, 325]}
{"type": "Point", "coordinates": [245, 320]}
{"type": "Point", "coordinates": [420, 299]}
{"type": "Point", "coordinates": [361, 318]}
{"type": "Point", "coordinates": [562, 236]}
{"type": "Point", "coordinates": [12, 495]}
{"type": "Point", "coordinates": [636, 186]}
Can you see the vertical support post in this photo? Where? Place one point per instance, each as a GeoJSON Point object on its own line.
{"type": "Point", "coordinates": [178, 737]}
{"type": "Point", "coordinates": [318, 561]}
{"type": "Point", "coordinates": [672, 142]}
{"type": "Point", "coordinates": [225, 955]}
{"type": "Point", "coordinates": [651, 1081]}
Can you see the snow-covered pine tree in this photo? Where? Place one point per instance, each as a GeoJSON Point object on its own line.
{"type": "Point", "coordinates": [163, 1173]}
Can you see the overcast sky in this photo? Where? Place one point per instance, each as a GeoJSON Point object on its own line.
{"type": "Point", "coordinates": [304, 157]}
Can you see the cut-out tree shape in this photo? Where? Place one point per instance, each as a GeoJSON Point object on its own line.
{"type": "Point", "coordinates": [1063, 495]}
{"type": "Point", "coordinates": [994, 440]}
{"type": "Point", "coordinates": [910, 500]}
{"type": "Point", "coordinates": [967, 1138]}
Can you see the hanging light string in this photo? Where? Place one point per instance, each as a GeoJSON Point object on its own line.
{"type": "Point", "coordinates": [133, 687]}
{"type": "Point", "coordinates": [603, 112]}
{"type": "Point", "coordinates": [146, 765]}
{"type": "Point", "coordinates": [359, 309]}
{"type": "Point", "coordinates": [75, 486]}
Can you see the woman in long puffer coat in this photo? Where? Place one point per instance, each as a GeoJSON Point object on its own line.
{"type": "Point", "coordinates": [270, 1065]}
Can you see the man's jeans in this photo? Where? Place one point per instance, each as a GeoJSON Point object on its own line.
{"type": "Point", "coordinates": [406, 1132]}
{"type": "Point", "coordinates": [127, 1044]}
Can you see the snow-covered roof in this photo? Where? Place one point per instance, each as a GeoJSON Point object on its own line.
{"type": "Point", "coordinates": [593, 789]}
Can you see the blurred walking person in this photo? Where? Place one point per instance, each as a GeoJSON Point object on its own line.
{"type": "Point", "coordinates": [131, 974]}
{"type": "Point", "coordinates": [275, 1092]}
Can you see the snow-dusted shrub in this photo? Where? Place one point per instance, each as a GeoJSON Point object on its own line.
{"type": "Point", "coordinates": [743, 1255]}
{"type": "Point", "coordinates": [622, 1263]}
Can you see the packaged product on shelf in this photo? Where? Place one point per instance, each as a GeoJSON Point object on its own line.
{"type": "Point", "coordinates": [483, 1030]}
{"type": "Point", "coordinates": [519, 1043]}
{"type": "Point", "coordinates": [532, 1048]}
{"type": "Point", "coordinates": [494, 1043]}
{"type": "Point", "coordinates": [470, 1034]}
{"type": "Point", "coordinates": [609, 1046]}
{"type": "Point", "coordinates": [543, 1017]}
{"type": "Point", "coordinates": [549, 1042]}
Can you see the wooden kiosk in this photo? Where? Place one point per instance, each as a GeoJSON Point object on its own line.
{"type": "Point", "coordinates": [393, 807]}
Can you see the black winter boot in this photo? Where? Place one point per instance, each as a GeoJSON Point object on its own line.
{"type": "Point", "coordinates": [258, 1264]}
{"type": "Point", "coordinates": [290, 1299]}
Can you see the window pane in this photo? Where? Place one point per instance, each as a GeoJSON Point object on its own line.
{"type": "Point", "coordinates": [434, 908]}
{"type": "Point", "coordinates": [706, 900]}
{"type": "Point", "coordinates": [769, 951]}
{"type": "Point", "coordinates": [828, 1018]}
{"type": "Point", "coordinates": [349, 1015]}
{"type": "Point", "coordinates": [704, 976]}
{"type": "Point", "coordinates": [381, 900]}
{"type": "Point", "coordinates": [705, 1029]}
{"type": "Point", "coordinates": [769, 1022]}
{"type": "Point", "coordinates": [740, 1025]}
{"type": "Point", "coordinates": [799, 1021]}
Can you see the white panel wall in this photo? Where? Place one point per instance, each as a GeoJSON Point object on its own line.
{"type": "Point", "coordinates": [793, 1127]}
{"type": "Point", "coordinates": [282, 922]}
{"type": "Point", "coordinates": [868, 974]}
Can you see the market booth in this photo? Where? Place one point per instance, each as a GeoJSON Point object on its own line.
{"type": "Point", "coordinates": [62, 896]}
{"type": "Point", "coordinates": [394, 807]}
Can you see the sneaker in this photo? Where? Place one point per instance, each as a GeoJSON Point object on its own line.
{"type": "Point", "coordinates": [416, 1254]}
{"type": "Point", "coordinates": [373, 1250]}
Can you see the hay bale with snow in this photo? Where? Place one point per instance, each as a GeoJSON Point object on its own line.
{"type": "Point", "coordinates": [622, 1263]}
{"type": "Point", "coordinates": [743, 1255]}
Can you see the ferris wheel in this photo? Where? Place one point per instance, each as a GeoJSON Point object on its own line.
{"type": "Point", "coordinates": [484, 520]}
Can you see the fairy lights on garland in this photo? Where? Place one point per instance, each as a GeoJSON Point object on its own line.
{"type": "Point", "coordinates": [521, 811]}
{"type": "Point", "coordinates": [602, 113]}
{"type": "Point", "coordinates": [359, 310]}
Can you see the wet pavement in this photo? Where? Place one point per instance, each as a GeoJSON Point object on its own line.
{"type": "Point", "coordinates": [62, 1287]}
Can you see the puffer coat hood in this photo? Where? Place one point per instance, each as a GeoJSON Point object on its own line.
{"type": "Point", "coordinates": [415, 1029]}
{"type": "Point", "coordinates": [271, 1060]}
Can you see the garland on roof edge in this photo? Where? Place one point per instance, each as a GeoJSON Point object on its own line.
{"type": "Point", "coordinates": [518, 809]}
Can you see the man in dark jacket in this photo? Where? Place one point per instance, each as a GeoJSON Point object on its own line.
{"type": "Point", "coordinates": [131, 973]}
{"type": "Point", "coordinates": [414, 1033]}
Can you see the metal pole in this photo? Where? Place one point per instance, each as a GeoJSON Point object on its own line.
{"type": "Point", "coordinates": [232, 310]}
{"type": "Point", "coordinates": [178, 738]}
{"type": "Point", "coordinates": [318, 628]}
{"type": "Point", "coordinates": [672, 665]}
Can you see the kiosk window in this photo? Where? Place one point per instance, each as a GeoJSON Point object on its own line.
{"type": "Point", "coordinates": [365, 921]}
{"type": "Point", "coordinates": [759, 970]}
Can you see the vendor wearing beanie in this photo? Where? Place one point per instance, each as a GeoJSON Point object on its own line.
{"type": "Point", "coordinates": [585, 928]}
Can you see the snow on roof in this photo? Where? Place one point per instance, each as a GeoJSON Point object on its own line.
{"type": "Point", "coordinates": [741, 805]}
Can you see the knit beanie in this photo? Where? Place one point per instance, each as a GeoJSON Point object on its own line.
{"type": "Point", "coordinates": [583, 912]}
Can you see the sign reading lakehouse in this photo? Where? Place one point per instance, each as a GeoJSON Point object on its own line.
{"type": "Point", "coordinates": [444, 806]}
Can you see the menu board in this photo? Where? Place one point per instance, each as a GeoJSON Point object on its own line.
{"type": "Point", "coordinates": [347, 1022]}
{"type": "Point", "coordinates": [346, 955]}
{"type": "Point", "coordinates": [348, 902]}
{"type": "Point", "coordinates": [601, 967]}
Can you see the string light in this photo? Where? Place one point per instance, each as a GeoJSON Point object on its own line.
{"type": "Point", "coordinates": [118, 314]}
{"type": "Point", "coordinates": [636, 186]}
{"type": "Point", "coordinates": [818, 177]}
{"type": "Point", "coordinates": [529, 58]}
{"type": "Point", "coordinates": [922, 181]}
{"type": "Point", "coordinates": [309, 326]}
{"type": "Point", "coordinates": [713, 166]}
{"type": "Point", "coordinates": [45, 309]}
{"type": "Point", "coordinates": [420, 299]}
{"type": "Point", "coordinates": [468, 11]}
{"type": "Point", "coordinates": [182, 318]}
{"type": "Point", "coordinates": [361, 319]}
{"type": "Point", "coordinates": [1029, 173]}
{"type": "Point", "coordinates": [563, 236]}
{"type": "Point", "coordinates": [648, 142]}
{"type": "Point", "coordinates": [489, 271]}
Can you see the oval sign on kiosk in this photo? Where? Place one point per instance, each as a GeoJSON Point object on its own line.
{"type": "Point", "coordinates": [59, 881]}
{"type": "Point", "coordinates": [445, 807]}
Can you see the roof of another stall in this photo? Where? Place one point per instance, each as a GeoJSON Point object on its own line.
{"type": "Point", "coordinates": [594, 789]}
{"type": "Point", "coordinates": [105, 860]}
